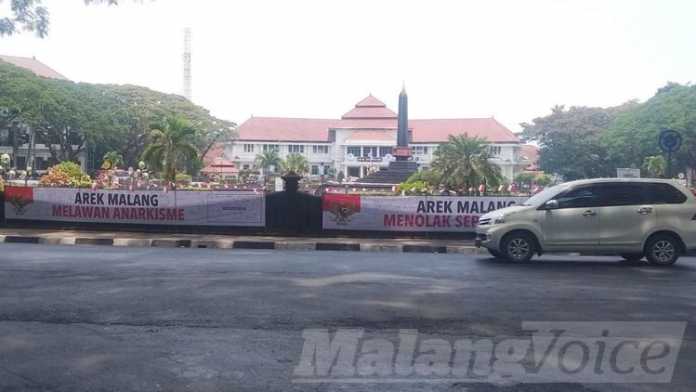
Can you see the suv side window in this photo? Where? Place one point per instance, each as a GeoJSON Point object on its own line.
{"type": "Point", "coordinates": [585, 196]}
{"type": "Point", "coordinates": [661, 193]}
{"type": "Point", "coordinates": [623, 194]}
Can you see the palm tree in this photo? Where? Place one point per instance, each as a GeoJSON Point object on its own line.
{"type": "Point", "coordinates": [463, 163]}
{"type": "Point", "coordinates": [295, 164]}
{"type": "Point", "coordinates": [171, 145]}
{"type": "Point", "coordinates": [112, 160]}
{"type": "Point", "coordinates": [266, 160]}
{"type": "Point", "coordinates": [655, 165]}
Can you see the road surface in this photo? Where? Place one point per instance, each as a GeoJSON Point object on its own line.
{"type": "Point", "coordinates": [87, 318]}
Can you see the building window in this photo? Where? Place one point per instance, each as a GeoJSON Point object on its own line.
{"type": "Point", "coordinates": [421, 150]}
{"type": "Point", "coordinates": [248, 148]}
{"type": "Point", "coordinates": [271, 147]}
{"type": "Point", "coordinates": [494, 150]}
{"type": "Point", "coordinates": [369, 151]}
{"type": "Point", "coordinates": [41, 163]}
{"type": "Point", "coordinates": [315, 170]}
{"type": "Point", "coordinates": [245, 167]}
{"type": "Point", "coordinates": [354, 171]}
{"type": "Point", "coordinates": [296, 149]}
{"type": "Point", "coordinates": [319, 149]}
{"type": "Point", "coordinates": [355, 151]}
{"type": "Point", "coordinates": [383, 151]}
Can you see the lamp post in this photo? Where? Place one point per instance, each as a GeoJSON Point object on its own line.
{"type": "Point", "coordinates": [4, 164]}
{"type": "Point", "coordinates": [219, 161]}
{"type": "Point", "coordinates": [131, 179]}
{"type": "Point", "coordinates": [27, 174]}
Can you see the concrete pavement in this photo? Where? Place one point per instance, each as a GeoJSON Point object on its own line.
{"type": "Point", "coordinates": [140, 240]}
{"type": "Point", "coordinates": [95, 318]}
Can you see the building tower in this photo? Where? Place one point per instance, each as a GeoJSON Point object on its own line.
{"type": "Point", "coordinates": [187, 63]}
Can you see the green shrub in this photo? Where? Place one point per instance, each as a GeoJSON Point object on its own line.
{"type": "Point", "coordinates": [66, 174]}
{"type": "Point", "coordinates": [183, 177]}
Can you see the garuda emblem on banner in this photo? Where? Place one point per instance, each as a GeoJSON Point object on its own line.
{"type": "Point", "coordinates": [19, 198]}
{"type": "Point", "coordinates": [341, 207]}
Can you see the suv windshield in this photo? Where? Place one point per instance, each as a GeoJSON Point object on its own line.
{"type": "Point", "coordinates": [541, 197]}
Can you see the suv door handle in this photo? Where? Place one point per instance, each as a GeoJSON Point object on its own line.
{"type": "Point", "coordinates": [589, 213]}
{"type": "Point", "coordinates": [644, 210]}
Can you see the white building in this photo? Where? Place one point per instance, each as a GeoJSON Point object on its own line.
{"type": "Point", "coordinates": [362, 140]}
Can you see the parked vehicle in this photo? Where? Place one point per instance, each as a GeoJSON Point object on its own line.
{"type": "Point", "coordinates": [633, 218]}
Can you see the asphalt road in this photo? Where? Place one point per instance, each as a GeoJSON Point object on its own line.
{"type": "Point", "coordinates": [110, 319]}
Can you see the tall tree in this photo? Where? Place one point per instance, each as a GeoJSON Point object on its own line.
{"type": "Point", "coordinates": [112, 160]}
{"type": "Point", "coordinates": [463, 163]}
{"type": "Point", "coordinates": [634, 134]}
{"type": "Point", "coordinates": [267, 160]}
{"type": "Point", "coordinates": [131, 110]}
{"type": "Point", "coordinates": [171, 147]}
{"type": "Point", "coordinates": [73, 117]}
{"type": "Point", "coordinates": [570, 140]}
{"type": "Point", "coordinates": [295, 164]}
{"type": "Point", "coordinates": [31, 15]}
{"type": "Point", "coordinates": [655, 165]}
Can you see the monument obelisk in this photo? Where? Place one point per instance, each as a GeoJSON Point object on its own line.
{"type": "Point", "coordinates": [403, 166]}
{"type": "Point", "coordinates": [402, 152]}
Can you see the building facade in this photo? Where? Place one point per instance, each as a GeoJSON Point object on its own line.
{"type": "Point", "coordinates": [363, 139]}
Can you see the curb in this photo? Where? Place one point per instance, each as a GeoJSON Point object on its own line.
{"type": "Point", "coordinates": [242, 244]}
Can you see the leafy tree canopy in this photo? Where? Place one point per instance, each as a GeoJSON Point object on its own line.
{"type": "Point", "coordinates": [459, 165]}
{"type": "Point", "coordinates": [69, 116]}
{"type": "Point", "coordinates": [295, 164]}
{"type": "Point", "coordinates": [584, 142]}
{"type": "Point", "coordinates": [634, 134]}
{"type": "Point", "coordinates": [31, 15]}
{"type": "Point", "coordinates": [171, 146]}
{"type": "Point", "coordinates": [570, 140]}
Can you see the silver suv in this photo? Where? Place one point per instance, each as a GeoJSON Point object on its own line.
{"type": "Point", "coordinates": [634, 218]}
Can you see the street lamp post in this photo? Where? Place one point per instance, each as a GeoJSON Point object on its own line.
{"type": "Point", "coordinates": [219, 161]}
{"type": "Point", "coordinates": [27, 174]}
{"type": "Point", "coordinates": [4, 164]}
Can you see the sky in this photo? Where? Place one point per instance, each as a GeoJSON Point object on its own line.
{"type": "Point", "coordinates": [510, 59]}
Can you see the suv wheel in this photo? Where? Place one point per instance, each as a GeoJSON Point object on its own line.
{"type": "Point", "coordinates": [662, 250]}
{"type": "Point", "coordinates": [517, 247]}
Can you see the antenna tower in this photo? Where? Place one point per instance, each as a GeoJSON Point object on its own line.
{"type": "Point", "coordinates": [187, 63]}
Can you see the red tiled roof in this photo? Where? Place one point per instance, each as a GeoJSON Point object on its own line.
{"type": "Point", "coordinates": [286, 129]}
{"type": "Point", "coordinates": [215, 161]}
{"type": "Point", "coordinates": [215, 152]}
{"type": "Point", "coordinates": [530, 153]}
{"type": "Point", "coordinates": [281, 129]}
{"type": "Point", "coordinates": [223, 169]}
{"type": "Point", "coordinates": [437, 130]}
{"type": "Point", "coordinates": [370, 101]}
{"type": "Point", "coordinates": [33, 65]}
{"type": "Point", "coordinates": [370, 108]}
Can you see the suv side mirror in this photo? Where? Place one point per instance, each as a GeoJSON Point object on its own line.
{"type": "Point", "coordinates": [551, 205]}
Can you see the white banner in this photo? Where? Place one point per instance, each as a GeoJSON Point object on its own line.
{"type": "Point", "coordinates": [408, 213]}
{"type": "Point", "coordinates": [195, 208]}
